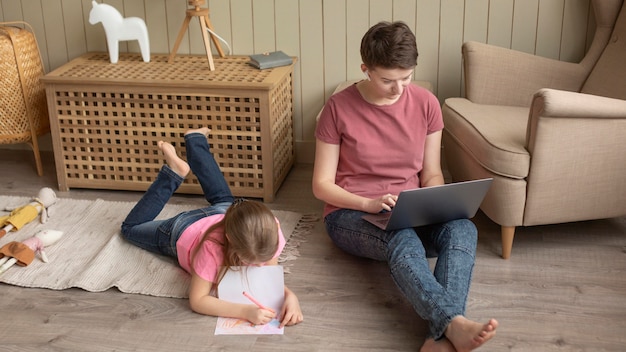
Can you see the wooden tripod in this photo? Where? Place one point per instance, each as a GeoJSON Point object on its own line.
{"type": "Point", "coordinates": [203, 17]}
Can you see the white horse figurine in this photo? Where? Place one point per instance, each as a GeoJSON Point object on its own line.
{"type": "Point", "coordinates": [117, 28]}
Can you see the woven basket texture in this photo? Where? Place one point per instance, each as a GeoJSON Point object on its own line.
{"type": "Point", "coordinates": [22, 95]}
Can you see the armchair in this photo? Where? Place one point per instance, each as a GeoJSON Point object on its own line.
{"type": "Point", "coordinates": [552, 134]}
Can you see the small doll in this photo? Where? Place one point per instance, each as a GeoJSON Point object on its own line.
{"type": "Point", "coordinates": [29, 212]}
{"type": "Point", "coordinates": [23, 253]}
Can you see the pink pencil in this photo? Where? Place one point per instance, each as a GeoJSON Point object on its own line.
{"type": "Point", "coordinates": [253, 300]}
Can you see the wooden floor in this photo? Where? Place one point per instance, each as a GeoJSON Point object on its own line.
{"type": "Point", "coordinates": [564, 289]}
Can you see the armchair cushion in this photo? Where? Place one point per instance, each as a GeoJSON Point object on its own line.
{"type": "Point", "coordinates": [500, 76]}
{"type": "Point", "coordinates": [494, 135]}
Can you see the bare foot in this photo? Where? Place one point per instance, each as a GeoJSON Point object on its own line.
{"type": "Point", "coordinates": [443, 345]}
{"type": "Point", "coordinates": [204, 130]}
{"type": "Point", "coordinates": [467, 335]}
{"type": "Point", "coordinates": [178, 165]}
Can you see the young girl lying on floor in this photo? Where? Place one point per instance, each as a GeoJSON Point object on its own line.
{"type": "Point", "coordinates": [226, 233]}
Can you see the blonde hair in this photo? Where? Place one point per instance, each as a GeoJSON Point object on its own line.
{"type": "Point", "coordinates": [250, 235]}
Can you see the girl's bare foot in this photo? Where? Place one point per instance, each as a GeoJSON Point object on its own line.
{"type": "Point", "coordinates": [443, 345]}
{"type": "Point", "coordinates": [178, 165]}
{"type": "Point", "coordinates": [467, 335]}
{"type": "Point", "coordinates": [204, 130]}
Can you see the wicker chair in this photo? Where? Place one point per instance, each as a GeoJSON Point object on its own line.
{"type": "Point", "coordinates": [23, 109]}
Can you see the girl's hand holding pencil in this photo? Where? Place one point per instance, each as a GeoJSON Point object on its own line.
{"type": "Point", "coordinates": [259, 315]}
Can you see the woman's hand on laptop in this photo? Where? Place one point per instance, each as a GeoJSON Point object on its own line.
{"type": "Point", "coordinates": [385, 202]}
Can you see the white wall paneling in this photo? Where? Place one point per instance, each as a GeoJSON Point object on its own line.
{"type": "Point", "coordinates": [324, 34]}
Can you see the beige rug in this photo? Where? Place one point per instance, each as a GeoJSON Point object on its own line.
{"type": "Point", "coordinates": [93, 256]}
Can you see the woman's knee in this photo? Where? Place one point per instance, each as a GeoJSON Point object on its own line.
{"type": "Point", "coordinates": [358, 243]}
{"type": "Point", "coordinates": [462, 232]}
{"type": "Point", "coordinates": [405, 244]}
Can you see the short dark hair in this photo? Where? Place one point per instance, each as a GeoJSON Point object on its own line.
{"type": "Point", "coordinates": [389, 45]}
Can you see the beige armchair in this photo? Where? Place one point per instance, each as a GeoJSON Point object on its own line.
{"type": "Point", "coordinates": [552, 134]}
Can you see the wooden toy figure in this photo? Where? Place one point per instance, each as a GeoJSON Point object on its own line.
{"type": "Point", "coordinates": [29, 212]}
{"type": "Point", "coordinates": [23, 253]}
{"type": "Point", "coordinates": [117, 28]}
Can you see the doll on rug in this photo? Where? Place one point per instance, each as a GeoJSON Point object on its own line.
{"type": "Point", "coordinates": [29, 212]}
{"type": "Point", "coordinates": [23, 253]}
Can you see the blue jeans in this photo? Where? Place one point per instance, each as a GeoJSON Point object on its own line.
{"type": "Point", "coordinates": [436, 296]}
{"type": "Point", "coordinates": [160, 236]}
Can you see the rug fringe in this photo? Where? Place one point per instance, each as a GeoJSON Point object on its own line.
{"type": "Point", "coordinates": [299, 234]}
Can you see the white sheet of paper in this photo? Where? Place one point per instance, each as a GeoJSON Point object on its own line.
{"type": "Point", "coordinates": [266, 284]}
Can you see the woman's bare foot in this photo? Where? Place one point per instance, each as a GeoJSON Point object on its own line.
{"type": "Point", "coordinates": [443, 345]}
{"type": "Point", "coordinates": [178, 165]}
{"type": "Point", "coordinates": [204, 130]}
{"type": "Point", "coordinates": [467, 335]}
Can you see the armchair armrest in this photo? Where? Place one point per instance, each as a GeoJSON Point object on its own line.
{"type": "Point", "coordinates": [565, 105]}
{"type": "Point", "coordinates": [558, 103]}
{"type": "Point", "coordinates": [501, 76]}
{"type": "Point", "coordinates": [551, 103]}
{"type": "Point", "coordinates": [576, 143]}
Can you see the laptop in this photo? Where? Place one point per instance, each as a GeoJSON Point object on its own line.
{"type": "Point", "coordinates": [431, 205]}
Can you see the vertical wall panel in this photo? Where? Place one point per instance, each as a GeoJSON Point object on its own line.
{"type": "Point", "coordinates": [325, 35]}
{"type": "Point", "coordinates": [357, 23]}
{"type": "Point", "coordinates": [241, 19]}
{"type": "Point", "coordinates": [335, 48]}
{"type": "Point", "coordinates": [406, 11]}
{"type": "Point", "coordinates": [524, 36]}
{"type": "Point", "coordinates": [549, 26]}
{"type": "Point", "coordinates": [12, 10]}
{"type": "Point", "coordinates": [55, 33]}
{"type": "Point", "coordinates": [288, 40]}
{"type": "Point", "coordinates": [157, 31]}
{"type": "Point", "coordinates": [220, 14]}
{"type": "Point", "coordinates": [428, 40]}
{"type": "Point", "coordinates": [500, 19]}
{"type": "Point", "coordinates": [451, 39]}
{"type": "Point", "coordinates": [311, 64]}
{"type": "Point", "coordinates": [476, 21]}
{"type": "Point", "coordinates": [74, 23]}
{"type": "Point", "coordinates": [175, 11]}
{"type": "Point", "coordinates": [264, 26]}
{"type": "Point", "coordinates": [380, 10]}
{"type": "Point", "coordinates": [33, 15]}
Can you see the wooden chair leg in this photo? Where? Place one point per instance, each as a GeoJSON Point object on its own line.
{"type": "Point", "coordinates": [34, 144]}
{"type": "Point", "coordinates": [508, 232]}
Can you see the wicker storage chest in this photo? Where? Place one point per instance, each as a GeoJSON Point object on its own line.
{"type": "Point", "coordinates": [106, 120]}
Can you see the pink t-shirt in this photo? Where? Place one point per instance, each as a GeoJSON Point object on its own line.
{"type": "Point", "coordinates": [210, 256]}
{"type": "Point", "coordinates": [381, 146]}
